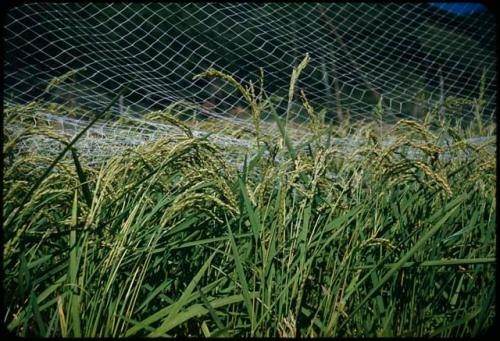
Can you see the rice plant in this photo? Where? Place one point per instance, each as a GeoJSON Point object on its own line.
{"type": "Point", "coordinates": [170, 239]}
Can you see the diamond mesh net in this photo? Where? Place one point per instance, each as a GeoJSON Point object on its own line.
{"type": "Point", "coordinates": [407, 58]}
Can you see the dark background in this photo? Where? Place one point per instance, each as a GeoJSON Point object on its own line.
{"type": "Point", "coordinates": [365, 50]}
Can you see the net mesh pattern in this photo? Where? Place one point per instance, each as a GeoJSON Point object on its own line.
{"type": "Point", "coordinates": [407, 57]}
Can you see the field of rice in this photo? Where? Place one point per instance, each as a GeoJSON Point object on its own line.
{"type": "Point", "coordinates": [297, 237]}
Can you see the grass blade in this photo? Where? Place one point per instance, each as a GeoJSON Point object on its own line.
{"type": "Point", "coordinates": [169, 322]}
{"type": "Point", "coordinates": [410, 253]}
{"type": "Point", "coordinates": [83, 178]}
{"type": "Point", "coordinates": [241, 275]}
{"type": "Point", "coordinates": [74, 298]}
{"type": "Point", "coordinates": [252, 216]}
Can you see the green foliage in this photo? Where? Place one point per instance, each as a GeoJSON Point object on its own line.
{"type": "Point", "coordinates": [169, 239]}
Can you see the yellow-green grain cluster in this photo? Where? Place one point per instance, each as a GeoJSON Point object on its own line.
{"type": "Point", "coordinates": [395, 237]}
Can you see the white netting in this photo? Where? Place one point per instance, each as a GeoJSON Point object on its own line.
{"type": "Point", "coordinates": [104, 140]}
{"type": "Point", "coordinates": [413, 56]}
